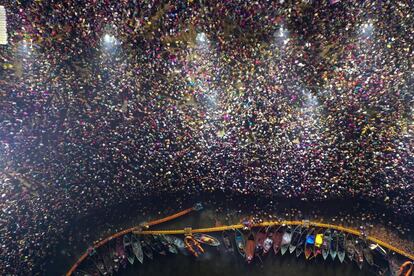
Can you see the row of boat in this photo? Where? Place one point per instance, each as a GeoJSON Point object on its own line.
{"type": "Point", "coordinates": [310, 242]}
{"type": "Point", "coordinates": [251, 244]}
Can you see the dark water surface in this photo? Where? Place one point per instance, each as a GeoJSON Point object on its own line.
{"type": "Point", "coordinates": [215, 262]}
{"type": "Point", "coordinates": [220, 264]}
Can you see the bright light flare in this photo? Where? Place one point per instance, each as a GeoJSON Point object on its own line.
{"type": "Point", "coordinates": [109, 39]}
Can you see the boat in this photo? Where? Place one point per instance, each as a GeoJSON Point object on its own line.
{"type": "Point", "coordinates": [327, 237]}
{"type": "Point", "coordinates": [99, 264]}
{"type": "Point", "coordinates": [268, 242]}
{"type": "Point", "coordinates": [359, 255]}
{"type": "Point", "coordinates": [406, 269]}
{"type": "Point", "coordinates": [206, 239]}
{"type": "Point", "coordinates": [168, 245]}
{"type": "Point", "coordinates": [333, 248]}
{"type": "Point", "coordinates": [350, 247]}
{"type": "Point", "coordinates": [318, 244]}
{"type": "Point", "coordinates": [367, 254]}
{"type": "Point", "coordinates": [286, 239]}
{"type": "Point", "coordinates": [106, 258]}
{"type": "Point", "coordinates": [137, 248]}
{"type": "Point", "coordinates": [309, 244]}
{"type": "Point", "coordinates": [260, 237]}
{"type": "Point", "coordinates": [128, 249]}
{"type": "Point", "coordinates": [297, 235]}
{"type": "Point", "coordinates": [193, 246]}
{"type": "Point", "coordinates": [240, 242]}
{"type": "Point", "coordinates": [177, 242]}
{"type": "Point", "coordinates": [250, 248]}
{"type": "Point", "coordinates": [158, 246]}
{"type": "Point", "coordinates": [378, 250]}
{"type": "Point", "coordinates": [120, 253]}
{"type": "Point", "coordinates": [341, 247]}
{"type": "Point", "coordinates": [277, 240]}
{"type": "Point", "coordinates": [113, 255]}
{"type": "Point", "coordinates": [146, 248]}
{"type": "Point", "coordinates": [227, 241]}
{"type": "Point", "coordinates": [300, 243]}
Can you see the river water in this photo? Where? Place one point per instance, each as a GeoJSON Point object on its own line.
{"type": "Point", "coordinates": [214, 262]}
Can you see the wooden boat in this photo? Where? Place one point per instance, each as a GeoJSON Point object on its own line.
{"type": "Point", "coordinates": [333, 248]}
{"type": "Point", "coordinates": [297, 234]}
{"type": "Point", "coordinates": [177, 242]}
{"type": "Point", "coordinates": [378, 250]}
{"type": "Point", "coordinates": [120, 253]}
{"type": "Point", "coordinates": [193, 246]}
{"type": "Point", "coordinates": [301, 243]}
{"type": "Point", "coordinates": [406, 269]}
{"type": "Point", "coordinates": [350, 247]}
{"type": "Point", "coordinates": [146, 248]}
{"type": "Point", "coordinates": [227, 241]}
{"type": "Point", "coordinates": [341, 247]}
{"type": "Point", "coordinates": [113, 254]}
{"type": "Point", "coordinates": [318, 244]}
{"type": "Point", "coordinates": [327, 237]}
{"type": "Point", "coordinates": [169, 245]}
{"type": "Point", "coordinates": [240, 242]}
{"type": "Point", "coordinates": [367, 254]}
{"type": "Point", "coordinates": [99, 264]}
{"type": "Point", "coordinates": [128, 249]}
{"type": "Point", "coordinates": [268, 242]}
{"type": "Point", "coordinates": [250, 248]}
{"type": "Point", "coordinates": [206, 239]}
{"type": "Point", "coordinates": [106, 259]}
{"type": "Point", "coordinates": [260, 237]}
{"type": "Point", "coordinates": [137, 248]}
{"type": "Point", "coordinates": [158, 246]}
{"type": "Point", "coordinates": [277, 240]}
{"type": "Point", "coordinates": [309, 244]}
{"type": "Point", "coordinates": [359, 255]}
{"type": "Point", "coordinates": [286, 239]}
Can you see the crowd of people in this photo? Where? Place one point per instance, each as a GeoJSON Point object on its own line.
{"type": "Point", "coordinates": [103, 102]}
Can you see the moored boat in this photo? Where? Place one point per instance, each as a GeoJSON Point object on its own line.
{"type": "Point", "coordinates": [350, 247]}
{"type": "Point", "coordinates": [177, 243]}
{"type": "Point", "coordinates": [169, 245]}
{"type": "Point", "coordinates": [286, 239]}
{"type": "Point", "coordinates": [341, 247]}
{"type": "Point", "coordinates": [158, 246]}
{"type": "Point", "coordinates": [146, 248]}
{"type": "Point", "coordinates": [240, 242]}
{"type": "Point", "coordinates": [250, 248]}
{"type": "Point", "coordinates": [193, 246]}
{"type": "Point", "coordinates": [268, 242]}
{"type": "Point", "coordinates": [301, 243]}
{"type": "Point", "coordinates": [327, 237]}
{"type": "Point", "coordinates": [120, 253]}
{"type": "Point", "coordinates": [318, 244]}
{"type": "Point", "coordinates": [333, 248]}
{"type": "Point", "coordinates": [297, 235]}
{"type": "Point", "coordinates": [359, 255]}
{"type": "Point", "coordinates": [277, 240]}
{"type": "Point", "coordinates": [259, 239]}
{"type": "Point", "coordinates": [227, 241]}
{"type": "Point", "coordinates": [128, 249]}
{"type": "Point", "coordinates": [367, 254]}
{"type": "Point", "coordinates": [206, 239]}
{"type": "Point", "coordinates": [309, 244]}
{"type": "Point", "coordinates": [137, 248]}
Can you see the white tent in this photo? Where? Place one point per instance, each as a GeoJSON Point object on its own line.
{"type": "Point", "coordinates": [3, 26]}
